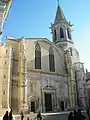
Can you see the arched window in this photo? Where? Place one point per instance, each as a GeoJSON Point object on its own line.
{"type": "Point", "coordinates": [68, 33]}
{"type": "Point", "coordinates": [37, 56]}
{"type": "Point", "coordinates": [51, 60]}
{"type": "Point", "coordinates": [61, 33]}
{"type": "Point", "coordinates": [55, 35]}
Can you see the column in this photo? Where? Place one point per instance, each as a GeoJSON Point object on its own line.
{"type": "Point", "coordinates": [23, 83]}
{"type": "Point", "coordinates": [53, 102]}
{"type": "Point", "coordinates": [43, 102]}
{"type": "Point", "coordinates": [26, 91]}
{"type": "Point", "coordinates": [23, 98]}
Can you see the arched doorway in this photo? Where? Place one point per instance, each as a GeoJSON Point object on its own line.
{"type": "Point", "coordinates": [62, 105]}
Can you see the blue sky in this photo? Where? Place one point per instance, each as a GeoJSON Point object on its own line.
{"type": "Point", "coordinates": [32, 18]}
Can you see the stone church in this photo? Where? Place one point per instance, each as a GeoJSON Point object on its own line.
{"type": "Point", "coordinates": [37, 74]}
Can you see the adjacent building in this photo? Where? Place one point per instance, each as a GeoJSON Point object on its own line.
{"type": "Point", "coordinates": [4, 9]}
{"type": "Point", "coordinates": [82, 96]}
{"type": "Point", "coordinates": [38, 74]}
{"type": "Point", "coordinates": [88, 85]}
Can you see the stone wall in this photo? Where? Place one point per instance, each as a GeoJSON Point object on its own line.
{"type": "Point", "coordinates": [40, 83]}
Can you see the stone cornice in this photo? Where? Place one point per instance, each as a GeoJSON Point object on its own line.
{"type": "Point", "coordinates": [64, 41]}
{"type": "Point", "coordinates": [49, 73]}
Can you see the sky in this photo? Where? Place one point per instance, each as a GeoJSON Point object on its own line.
{"type": "Point", "coordinates": [32, 18]}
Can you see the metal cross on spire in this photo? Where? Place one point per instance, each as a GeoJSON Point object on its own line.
{"type": "Point", "coordinates": [58, 1]}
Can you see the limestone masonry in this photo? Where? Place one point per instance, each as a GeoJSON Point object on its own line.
{"type": "Point", "coordinates": [37, 74]}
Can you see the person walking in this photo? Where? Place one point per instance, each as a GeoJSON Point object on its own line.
{"type": "Point", "coordinates": [70, 117]}
{"type": "Point", "coordinates": [88, 113]}
{"type": "Point", "coordinates": [22, 116]}
{"type": "Point", "coordinates": [10, 115]}
{"type": "Point", "coordinates": [5, 117]}
{"type": "Point", "coordinates": [39, 117]}
{"type": "Point", "coordinates": [27, 118]}
{"type": "Point", "coordinates": [79, 115]}
{"type": "Point", "coordinates": [75, 115]}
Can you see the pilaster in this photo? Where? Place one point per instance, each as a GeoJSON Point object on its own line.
{"type": "Point", "coordinates": [43, 102]}
{"type": "Point", "coordinates": [22, 76]}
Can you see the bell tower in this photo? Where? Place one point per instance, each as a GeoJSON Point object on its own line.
{"type": "Point", "coordinates": [61, 30]}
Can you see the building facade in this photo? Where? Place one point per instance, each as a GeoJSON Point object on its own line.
{"type": "Point", "coordinates": [38, 76]}
{"type": "Point", "coordinates": [4, 9]}
{"type": "Point", "coordinates": [6, 58]}
{"type": "Point", "coordinates": [82, 96]}
{"type": "Point", "coordinates": [42, 75]}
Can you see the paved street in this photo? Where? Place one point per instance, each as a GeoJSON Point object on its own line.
{"type": "Point", "coordinates": [56, 117]}
{"type": "Point", "coordinates": [63, 116]}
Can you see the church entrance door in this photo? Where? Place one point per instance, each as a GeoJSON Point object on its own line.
{"type": "Point", "coordinates": [48, 102]}
{"type": "Point", "coordinates": [32, 106]}
{"type": "Point", "coordinates": [62, 105]}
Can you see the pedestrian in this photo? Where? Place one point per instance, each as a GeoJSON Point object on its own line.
{"type": "Point", "coordinates": [79, 115]}
{"type": "Point", "coordinates": [70, 117]}
{"type": "Point", "coordinates": [5, 117]}
{"type": "Point", "coordinates": [39, 117]}
{"type": "Point", "coordinates": [74, 111]}
{"type": "Point", "coordinates": [88, 113]}
{"type": "Point", "coordinates": [10, 115]}
{"type": "Point", "coordinates": [27, 118]}
{"type": "Point", "coordinates": [75, 114]}
{"type": "Point", "coordinates": [22, 116]}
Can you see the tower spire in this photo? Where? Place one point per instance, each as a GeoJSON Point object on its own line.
{"type": "Point", "coordinates": [61, 29]}
{"type": "Point", "coordinates": [58, 2]}
{"type": "Point", "coordinates": [59, 15]}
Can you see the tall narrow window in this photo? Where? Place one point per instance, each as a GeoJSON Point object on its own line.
{"type": "Point", "coordinates": [31, 86]}
{"type": "Point", "coordinates": [4, 76]}
{"type": "Point", "coordinates": [51, 60]}
{"type": "Point", "coordinates": [4, 92]}
{"type": "Point", "coordinates": [61, 33]}
{"type": "Point", "coordinates": [37, 56]}
{"type": "Point", "coordinates": [6, 51]}
{"type": "Point", "coordinates": [71, 52]}
{"type": "Point", "coordinates": [55, 35]}
{"type": "Point", "coordinates": [68, 33]}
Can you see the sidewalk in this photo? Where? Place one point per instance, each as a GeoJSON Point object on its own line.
{"type": "Point", "coordinates": [32, 116]}
{"type": "Point", "coordinates": [56, 113]}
